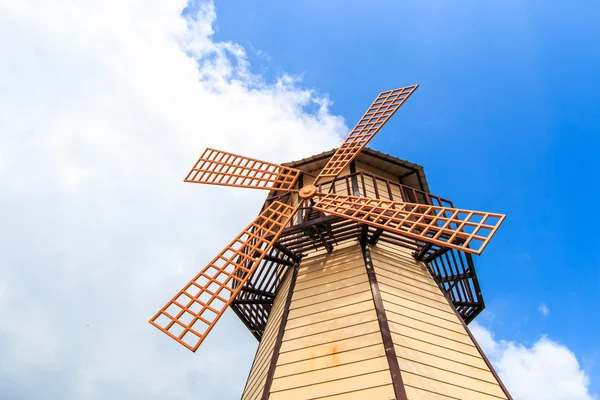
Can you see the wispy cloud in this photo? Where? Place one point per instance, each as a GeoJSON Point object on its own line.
{"type": "Point", "coordinates": [544, 310]}
{"type": "Point", "coordinates": [103, 109]}
{"type": "Point", "coordinates": [546, 370]}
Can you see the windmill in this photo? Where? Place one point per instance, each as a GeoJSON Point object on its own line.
{"type": "Point", "coordinates": [355, 279]}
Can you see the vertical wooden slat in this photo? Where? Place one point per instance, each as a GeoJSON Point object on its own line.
{"type": "Point", "coordinates": [279, 340]}
{"type": "Point", "coordinates": [384, 327]}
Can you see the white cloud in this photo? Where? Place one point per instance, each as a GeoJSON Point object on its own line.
{"type": "Point", "coordinates": [544, 371]}
{"type": "Point", "coordinates": [544, 310]}
{"type": "Point", "coordinates": [104, 106]}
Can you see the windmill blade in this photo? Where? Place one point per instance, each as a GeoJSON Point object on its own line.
{"type": "Point", "coordinates": [382, 109]}
{"type": "Point", "coordinates": [466, 230]}
{"type": "Point", "coordinates": [195, 310]}
{"type": "Point", "coordinates": [216, 167]}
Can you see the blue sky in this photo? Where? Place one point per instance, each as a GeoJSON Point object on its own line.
{"type": "Point", "coordinates": [506, 119]}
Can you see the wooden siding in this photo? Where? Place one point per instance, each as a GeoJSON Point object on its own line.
{"type": "Point", "coordinates": [437, 358]}
{"type": "Point", "coordinates": [378, 188]}
{"type": "Point", "coordinates": [262, 359]}
{"type": "Point", "coordinates": [332, 346]}
{"type": "Point", "coordinates": [340, 186]}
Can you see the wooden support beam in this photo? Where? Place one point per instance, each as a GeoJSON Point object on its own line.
{"type": "Point", "coordinates": [375, 237]}
{"type": "Point", "coordinates": [258, 292]}
{"type": "Point", "coordinates": [278, 260]}
{"type": "Point", "coordinates": [287, 251]}
{"type": "Point", "coordinates": [384, 327]}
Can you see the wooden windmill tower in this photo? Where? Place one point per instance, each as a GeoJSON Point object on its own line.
{"type": "Point", "coordinates": [357, 281]}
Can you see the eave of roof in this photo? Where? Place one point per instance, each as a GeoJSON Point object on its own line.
{"type": "Point", "coordinates": [370, 157]}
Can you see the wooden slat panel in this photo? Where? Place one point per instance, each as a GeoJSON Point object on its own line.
{"type": "Point", "coordinates": [331, 295]}
{"type": "Point", "coordinates": [402, 341]}
{"type": "Point", "coordinates": [323, 263]}
{"type": "Point", "coordinates": [330, 305]}
{"type": "Point", "coordinates": [330, 336]}
{"type": "Point", "coordinates": [466, 230]}
{"type": "Point", "coordinates": [411, 277]}
{"type": "Point", "coordinates": [380, 111]}
{"type": "Point", "coordinates": [407, 287]}
{"type": "Point", "coordinates": [193, 312]}
{"type": "Point", "coordinates": [330, 374]}
{"type": "Point", "coordinates": [437, 361]}
{"type": "Point", "coordinates": [330, 279]}
{"type": "Point", "coordinates": [362, 167]}
{"type": "Point", "coordinates": [405, 294]}
{"type": "Point", "coordinates": [320, 327]}
{"type": "Point", "coordinates": [216, 167]}
{"type": "Point", "coordinates": [411, 270]}
{"type": "Point", "coordinates": [437, 357]}
{"type": "Point", "coordinates": [385, 392]}
{"type": "Point", "coordinates": [327, 349]}
{"type": "Point", "coordinates": [431, 373]}
{"type": "Point", "coordinates": [398, 304]}
{"type": "Point", "coordinates": [339, 386]}
{"type": "Point", "coordinates": [330, 360]}
{"type": "Point", "coordinates": [330, 314]}
{"type": "Point", "coordinates": [420, 394]}
{"type": "Point", "coordinates": [430, 328]}
{"type": "Point", "coordinates": [425, 318]}
{"type": "Point", "coordinates": [445, 389]}
{"type": "Point", "coordinates": [356, 276]}
{"type": "Point", "coordinates": [258, 372]}
{"type": "Point", "coordinates": [310, 273]}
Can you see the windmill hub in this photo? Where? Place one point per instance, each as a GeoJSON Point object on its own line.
{"type": "Point", "coordinates": [308, 192]}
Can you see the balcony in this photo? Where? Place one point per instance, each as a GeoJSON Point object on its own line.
{"type": "Point", "coordinates": [311, 230]}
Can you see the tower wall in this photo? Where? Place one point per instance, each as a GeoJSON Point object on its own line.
{"type": "Point", "coordinates": [332, 346]}
{"type": "Point", "coordinates": [437, 357]}
{"type": "Point", "coordinates": [345, 305]}
{"type": "Point", "coordinates": [262, 360]}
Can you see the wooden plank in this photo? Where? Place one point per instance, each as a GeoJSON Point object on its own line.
{"type": "Point", "coordinates": [406, 342]}
{"type": "Point", "coordinates": [405, 294]}
{"type": "Point", "coordinates": [330, 305]}
{"type": "Point", "coordinates": [346, 385]}
{"type": "Point", "coordinates": [327, 349]}
{"type": "Point", "coordinates": [446, 389]}
{"type": "Point", "coordinates": [407, 274]}
{"type": "Point", "coordinates": [385, 392]}
{"type": "Point", "coordinates": [420, 394]}
{"type": "Point", "coordinates": [386, 336]}
{"type": "Point", "coordinates": [433, 339]}
{"type": "Point", "coordinates": [410, 273]}
{"type": "Point", "coordinates": [330, 336]}
{"type": "Point", "coordinates": [331, 295]}
{"type": "Point", "coordinates": [322, 264]}
{"type": "Point", "coordinates": [332, 324]}
{"type": "Point", "coordinates": [330, 314]}
{"type": "Point", "coordinates": [330, 360]}
{"type": "Point", "coordinates": [330, 374]}
{"type": "Point", "coordinates": [329, 279]}
{"type": "Point", "coordinates": [357, 277]}
{"type": "Point", "coordinates": [427, 318]}
{"type": "Point", "coordinates": [407, 287]}
{"type": "Point", "coordinates": [362, 167]}
{"type": "Point", "coordinates": [427, 372]}
{"type": "Point", "coordinates": [433, 329]}
{"type": "Point", "coordinates": [327, 269]}
{"type": "Point", "coordinates": [259, 369]}
{"type": "Point", "coordinates": [397, 303]}
{"type": "Point", "coordinates": [445, 364]}
{"type": "Point", "coordinates": [280, 333]}
{"type": "Point", "coordinates": [394, 252]}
